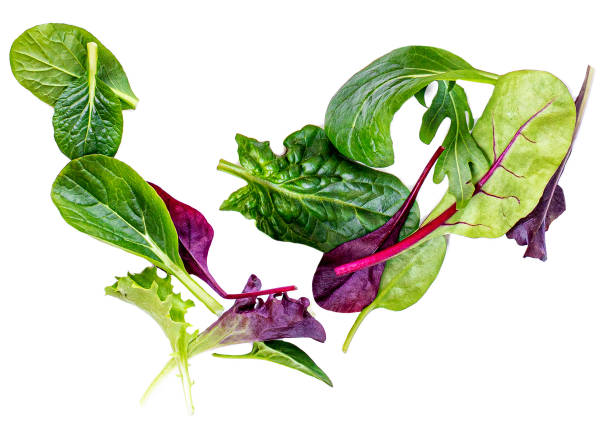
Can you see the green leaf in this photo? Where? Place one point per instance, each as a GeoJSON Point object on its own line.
{"type": "Point", "coordinates": [311, 194]}
{"type": "Point", "coordinates": [526, 129]}
{"type": "Point", "coordinates": [105, 198]}
{"type": "Point", "coordinates": [283, 353]}
{"type": "Point", "coordinates": [155, 296]}
{"type": "Point", "coordinates": [358, 118]}
{"type": "Point", "coordinates": [88, 117]}
{"type": "Point", "coordinates": [47, 58]}
{"type": "Point", "coordinates": [405, 280]}
{"type": "Point", "coordinates": [462, 157]}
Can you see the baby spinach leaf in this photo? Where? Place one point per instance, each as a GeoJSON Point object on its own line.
{"type": "Point", "coordinates": [105, 198]}
{"type": "Point", "coordinates": [358, 118]}
{"type": "Point", "coordinates": [88, 117]}
{"type": "Point", "coordinates": [405, 280]}
{"type": "Point", "coordinates": [531, 230]}
{"type": "Point", "coordinates": [47, 58]}
{"type": "Point", "coordinates": [283, 353]}
{"type": "Point", "coordinates": [311, 194]}
{"type": "Point", "coordinates": [462, 157]}
{"type": "Point", "coordinates": [155, 296]}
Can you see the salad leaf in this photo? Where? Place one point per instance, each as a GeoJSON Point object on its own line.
{"type": "Point", "coordinates": [88, 116]}
{"type": "Point", "coordinates": [358, 118]}
{"type": "Point", "coordinates": [155, 296]}
{"type": "Point", "coordinates": [462, 157]}
{"type": "Point", "coordinates": [105, 198]}
{"type": "Point", "coordinates": [47, 58]}
{"type": "Point", "coordinates": [311, 194]}
{"type": "Point", "coordinates": [531, 229]}
{"type": "Point", "coordinates": [283, 353]}
{"type": "Point", "coordinates": [405, 280]}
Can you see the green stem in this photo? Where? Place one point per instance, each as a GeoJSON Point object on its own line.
{"type": "Point", "coordinates": [489, 76]}
{"type": "Point", "coordinates": [92, 67]}
{"type": "Point", "coordinates": [197, 290]}
{"type": "Point", "coordinates": [355, 326]}
{"type": "Point", "coordinates": [185, 381]}
{"type": "Point", "coordinates": [233, 169]}
{"type": "Point", "coordinates": [170, 365]}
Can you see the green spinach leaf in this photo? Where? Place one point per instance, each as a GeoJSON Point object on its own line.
{"type": "Point", "coordinates": [155, 296]}
{"type": "Point", "coordinates": [105, 198]}
{"type": "Point", "coordinates": [312, 195]}
{"type": "Point", "coordinates": [88, 117]}
{"type": "Point", "coordinates": [461, 157]}
{"type": "Point", "coordinates": [358, 118]}
{"type": "Point", "coordinates": [47, 58]}
{"type": "Point", "coordinates": [283, 353]}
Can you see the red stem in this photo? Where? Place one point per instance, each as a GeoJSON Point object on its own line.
{"type": "Point", "coordinates": [260, 293]}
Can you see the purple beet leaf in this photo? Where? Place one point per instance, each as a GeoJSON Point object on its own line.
{"type": "Point", "coordinates": [253, 319]}
{"type": "Point", "coordinates": [531, 230]}
{"type": "Point", "coordinates": [353, 292]}
{"type": "Point", "coordinates": [195, 236]}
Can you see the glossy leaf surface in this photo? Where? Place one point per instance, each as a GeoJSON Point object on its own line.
{"type": "Point", "coordinates": [283, 353]}
{"type": "Point", "coordinates": [358, 118]}
{"type": "Point", "coordinates": [311, 194]}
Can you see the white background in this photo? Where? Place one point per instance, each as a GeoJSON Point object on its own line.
{"type": "Point", "coordinates": [498, 344]}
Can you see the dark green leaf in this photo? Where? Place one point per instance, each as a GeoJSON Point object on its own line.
{"type": "Point", "coordinates": [311, 194]}
{"type": "Point", "coordinates": [462, 157]}
{"type": "Point", "coordinates": [47, 58]}
{"type": "Point", "coordinates": [358, 118]}
{"type": "Point", "coordinates": [88, 117]}
{"type": "Point", "coordinates": [284, 353]}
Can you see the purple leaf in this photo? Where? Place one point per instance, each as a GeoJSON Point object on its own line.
{"type": "Point", "coordinates": [252, 319]}
{"type": "Point", "coordinates": [531, 230]}
{"type": "Point", "coordinates": [195, 236]}
{"type": "Point", "coordinates": [353, 292]}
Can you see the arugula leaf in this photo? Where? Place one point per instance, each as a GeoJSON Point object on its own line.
{"type": "Point", "coordinates": [358, 118]}
{"type": "Point", "coordinates": [88, 116]}
{"type": "Point", "coordinates": [462, 157]}
{"type": "Point", "coordinates": [531, 230]}
{"type": "Point", "coordinates": [405, 280]}
{"type": "Point", "coordinates": [283, 353]}
{"type": "Point", "coordinates": [105, 198]}
{"type": "Point", "coordinates": [47, 58]}
{"type": "Point", "coordinates": [155, 296]}
{"type": "Point", "coordinates": [311, 194]}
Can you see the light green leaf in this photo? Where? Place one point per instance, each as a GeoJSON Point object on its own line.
{"type": "Point", "coordinates": [358, 118]}
{"type": "Point", "coordinates": [47, 58]}
{"type": "Point", "coordinates": [462, 157]}
{"type": "Point", "coordinates": [311, 194]}
{"type": "Point", "coordinates": [88, 117]}
{"type": "Point", "coordinates": [155, 296]}
{"type": "Point", "coordinates": [405, 280]}
{"type": "Point", "coordinates": [105, 198]}
{"type": "Point", "coordinates": [526, 129]}
{"type": "Point", "coordinates": [283, 353]}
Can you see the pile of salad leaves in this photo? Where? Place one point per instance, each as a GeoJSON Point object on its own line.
{"type": "Point", "coordinates": [325, 191]}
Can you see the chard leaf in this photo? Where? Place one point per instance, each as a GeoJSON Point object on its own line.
{"type": "Point", "coordinates": [47, 58]}
{"type": "Point", "coordinates": [526, 130]}
{"type": "Point", "coordinates": [531, 230]}
{"type": "Point", "coordinates": [462, 157]}
{"type": "Point", "coordinates": [358, 118]}
{"type": "Point", "coordinates": [105, 198]}
{"type": "Point", "coordinates": [311, 194]}
{"type": "Point", "coordinates": [283, 353]}
{"type": "Point", "coordinates": [155, 296]}
{"type": "Point", "coordinates": [405, 280]}
{"type": "Point", "coordinates": [88, 117]}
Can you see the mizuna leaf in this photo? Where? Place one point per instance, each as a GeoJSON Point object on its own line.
{"type": "Point", "coordinates": [47, 58]}
{"type": "Point", "coordinates": [105, 198]}
{"type": "Point", "coordinates": [405, 280]}
{"type": "Point", "coordinates": [358, 118]}
{"type": "Point", "coordinates": [88, 117]}
{"type": "Point", "coordinates": [155, 296]}
{"type": "Point", "coordinates": [283, 353]}
{"type": "Point", "coordinates": [462, 157]}
{"type": "Point", "coordinates": [531, 230]}
{"type": "Point", "coordinates": [311, 195]}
